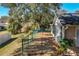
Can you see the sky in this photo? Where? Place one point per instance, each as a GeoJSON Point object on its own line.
{"type": "Point", "coordinates": [4, 11]}
{"type": "Point", "coordinates": [69, 7]}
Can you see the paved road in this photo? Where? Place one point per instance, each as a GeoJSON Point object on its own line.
{"type": "Point", "coordinates": [4, 36]}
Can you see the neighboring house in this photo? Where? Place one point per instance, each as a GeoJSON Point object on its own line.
{"type": "Point", "coordinates": [3, 26]}
{"type": "Point", "coordinates": [3, 23]}
{"type": "Point", "coordinates": [66, 26]}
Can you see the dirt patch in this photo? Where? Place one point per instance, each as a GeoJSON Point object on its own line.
{"type": "Point", "coordinates": [43, 44]}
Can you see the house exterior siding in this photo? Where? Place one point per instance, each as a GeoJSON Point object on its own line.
{"type": "Point", "coordinates": [70, 32]}
{"type": "Point", "coordinates": [66, 27]}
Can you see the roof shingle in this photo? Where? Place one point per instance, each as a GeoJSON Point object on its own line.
{"type": "Point", "coordinates": [73, 20]}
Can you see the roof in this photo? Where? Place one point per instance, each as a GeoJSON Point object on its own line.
{"type": "Point", "coordinates": [69, 19]}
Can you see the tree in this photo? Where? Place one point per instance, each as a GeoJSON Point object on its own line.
{"type": "Point", "coordinates": [14, 27]}
{"type": "Point", "coordinates": [4, 19]}
{"type": "Point", "coordinates": [40, 13]}
{"type": "Point", "coordinates": [43, 14]}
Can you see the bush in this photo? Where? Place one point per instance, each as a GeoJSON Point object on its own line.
{"type": "Point", "coordinates": [65, 43]}
{"type": "Point", "coordinates": [60, 51]}
{"type": "Point", "coordinates": [14, 27]}
{"type": "Point", "coordinates": [2, 28]}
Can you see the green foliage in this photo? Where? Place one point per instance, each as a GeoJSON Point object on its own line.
{"type": "Point", "coordinates": [9, 5]}
{"type": "Point", "coordinates": [60, 51]}
{"type": "Point", "coordinates": [36, 12]}
{"type": "Point", "coordinates": [2, 28]}
{"type": "Point", "coordinates": [14, 27]}
{"type": "Point", "coordinates": [65, 43]}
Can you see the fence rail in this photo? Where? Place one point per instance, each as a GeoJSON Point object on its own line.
{"type": "Point", "coordinates": [28, 39]}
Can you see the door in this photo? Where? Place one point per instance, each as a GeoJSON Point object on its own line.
{"type": "Point", "coordinates": [77, 40]}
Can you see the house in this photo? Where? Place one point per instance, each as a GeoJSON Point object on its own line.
{"type": "Point", "coordinates": [3, 26]}
{"type": "Point", "coordinates": [66, 26]}
{"type": "Point", "coordinates": [3, 22]}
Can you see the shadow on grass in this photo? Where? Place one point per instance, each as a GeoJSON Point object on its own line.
{"type": "Point", "coordinates": [7, 42]}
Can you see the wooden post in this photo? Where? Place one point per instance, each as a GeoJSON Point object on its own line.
{"type": "Point", "coordinates": [51, 26]}
{"type": "Point", "coordinates": [22, 48]}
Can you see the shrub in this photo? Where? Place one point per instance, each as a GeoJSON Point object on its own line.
{"type": "Point", "coordinates": [2, 28]}
{"type": "Point", "coordinates": [65, 43]}
{"type": "Point", "coordinates": [14, 27]}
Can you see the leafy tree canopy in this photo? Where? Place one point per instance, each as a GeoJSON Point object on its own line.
{"type": "Point", "coordinates": [40, 13]}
